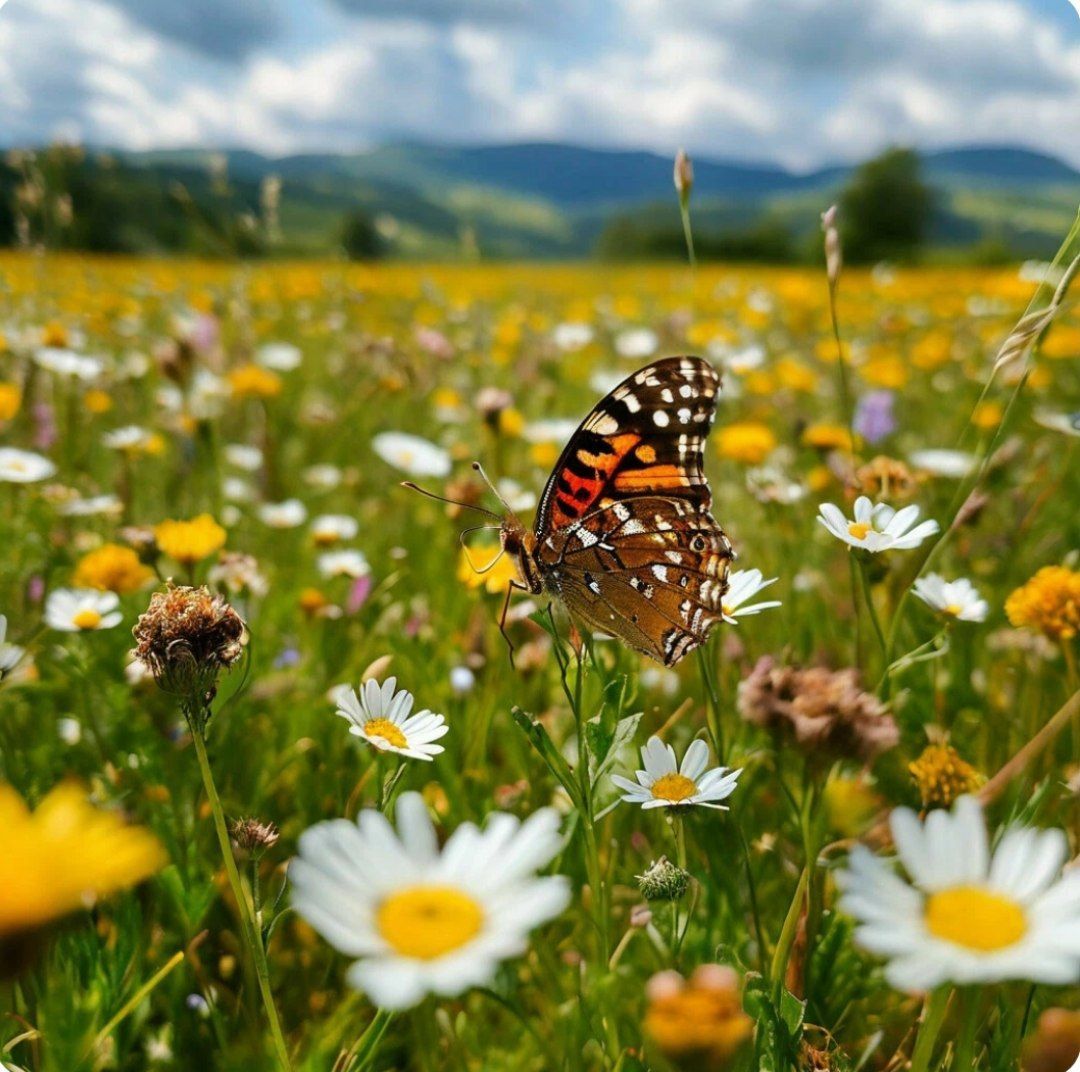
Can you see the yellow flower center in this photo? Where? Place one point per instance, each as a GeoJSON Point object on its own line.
{"type": "Point", "coordinates": [426, 922]}
{"type": "Point", "coordinates": [86, 619]}
{"type": "Point", "coordinates": [975, 918]}
{"type": "Point", "coordinates": [387, 730]}
{"type": "Point", "coordinates": [674, 787]}
{"type": "Point", "coordinates": [858, 529]}
{"type": "Point", "coordinates": [953, 609]}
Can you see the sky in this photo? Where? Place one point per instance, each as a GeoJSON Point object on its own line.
{"type": "Point", "coordinates": [798, 82]}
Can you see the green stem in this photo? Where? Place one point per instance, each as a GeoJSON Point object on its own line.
{"type": "Point", "coordinates": [869, 597]}
{"type": "Point", "coordinates": [937, 1003]}
{"type": "Point", "coordinates": [858, 609]}
{"type": "Point", "coordinates": [847, 408]}
{"type": "Point", "coordinates": [688, 234]}
{"type": "Point", "coordinates": [787, 933]}
{"type": "Point", "coordinates": [133, 1002]}
{"type": "Point", "coordinates": [248, 926]}
{"type": "Point", "coordinates": [964, 1054]}
{"type": "Point", "coordinates": [368, 1043]}
{"type": "Point", "coordinates": [712, 705]}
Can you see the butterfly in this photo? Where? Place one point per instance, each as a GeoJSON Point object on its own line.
{"type": "Point", "coordinates": [623, 534]}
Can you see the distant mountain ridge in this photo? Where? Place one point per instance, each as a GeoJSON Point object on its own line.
{"type": "Point", "coordinates": [551, 199]}
{"type": "Point", "coordinates": [573, 176]}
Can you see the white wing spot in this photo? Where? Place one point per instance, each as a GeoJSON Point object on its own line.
{"type": "Point", "coordinates": [660, 419]}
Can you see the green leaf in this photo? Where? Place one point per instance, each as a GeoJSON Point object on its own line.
{"type": "Point", "coordinates": [623, 733]}
{"type": "Point", "coordinates": [540, 740]}
{"type": "Point", "coordinates": [792, 1011]}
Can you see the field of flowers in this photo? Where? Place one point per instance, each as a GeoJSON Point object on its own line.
{"type": "Point", "coordinates": [310, 816]}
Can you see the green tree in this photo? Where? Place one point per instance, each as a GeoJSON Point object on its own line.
{"type": "Point", "coordinates": [359, 237]}
{"type": "Point", "coordinates": [885, 209]}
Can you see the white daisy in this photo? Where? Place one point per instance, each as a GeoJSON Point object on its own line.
{"type": "Point", "coordinates": [1068, 423]}
{"type": "Point", "coordinates": [81, 610]}
{"type": "Point", "coordinates": [968, 915]}
{"type": "Point", "coordinates": [66, 362]}
{"type": "Point", "coordinates": [940, 462]}
{"type": "Point", "coordinates": [333, 528]}
{"type": "Point", "coordinates": [93, 506]}
{"type": "Point", "coordinates": [636, 342]}
{"type": "Point", "coordinates": [664, 784]}
{"type": "Point", "coordinates": [955, 599]}
{"type": "Point", "coordinates": [10, 654]}
{"type": "Point", "coordinates": [323, 477]}
{"type": "Point", "coordinates": [876, 527]}
{"type": "Point", "coordinates": [345, 563]}
{"type": "Point", "coordinates": [130, 437]}
{"type": "Point", "coordinates": [279, 356]}
{"type": "Point", "coordinates": [24, 466]}
{"type": "Point", "coordinates": [572, 335]}
{"type": "Point", "coordinates": [382, 717]}
{"type": "Point", "coordinates": [549, 430]}
{"type": "Point", "coordinates": [283, 515]}
{"type": "Point", "coordinates": [411, 454]}
{"type": "Point", "coordinates": [420, 920]}
{"type": "Point", "coordinates": [244, 456]}
{"type": "Point", "coordinates": [744, 584]}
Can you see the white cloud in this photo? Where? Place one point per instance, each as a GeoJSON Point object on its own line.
{"type": "Point", "coordinates": [803, 81]}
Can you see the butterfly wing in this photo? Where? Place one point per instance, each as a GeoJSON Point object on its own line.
{"type": "Point", "coordinates": [646, 435]}
{"type": "Point", "coordinates": [624, 532]}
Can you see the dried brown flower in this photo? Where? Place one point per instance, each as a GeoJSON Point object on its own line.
{"type": "Point", "coordinates": [822, 710]}
{"type": "Point", "coordinates": [885, 478]}
{"type": "Point", "coordinates": [253, 836]}
{"type": "Point", "coordinates": [186, 637]}
{"type": "Point", "coordinates": [1055, 1045]}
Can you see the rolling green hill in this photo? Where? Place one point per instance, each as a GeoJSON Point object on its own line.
{"type": "Point", "coordinates": [555, 200]}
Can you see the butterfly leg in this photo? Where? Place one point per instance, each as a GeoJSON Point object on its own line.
{"type": "Point", "coordinates": [505, 610]}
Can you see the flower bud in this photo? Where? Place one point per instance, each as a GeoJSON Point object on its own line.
{"type": "Point", "coordinates": [834, 257]}
{"type": "Point", "coordinates": [684, 176]}
{"type": "Point", "coordinates": [663, 881]}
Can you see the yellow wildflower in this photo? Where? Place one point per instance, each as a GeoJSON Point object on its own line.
{"type": "Point", "coordinates": [941, 776]}
{"type": "Point", "coordinates": [64, 855]}
{"type": "Point", "coordinates": [312, 601]}
{"type": "Point", "coordinates": [700, 1018]}
{"type": "Point", "coordinates": [477, 566]}
{"type": "Point", "coordinates": [54, 334]}
{"type": "Point", "coordinates": [1049, 603]}
{"type": "Point", "coordinates": [931, 351]}
{"type": "Point", "coordinates": [795, 376]}
{"type": "Point", "coordinates": [112, 568]}
{"type": "Point", "coordinates": [10, 400]}
{"type": "Point", "coordinates": [886, 370]}
{"type": "Point", "coordinates": [97, 401]}
{"type": "Point", "coordinates": [190, 541]}
{"type": "Point", "coordinates": [987, 415]}
{"type": "Point", "coordinates": [511, 422]}
{"type": "Point", "coordinates": [544, 455]}
{"type": "Point", "coordinates": [254, 381]}
{"type": "Point", "coordinates": [827, 437]}
{"type": "Point", "coordinates": [749, 442]}
{"type": "Point", "coordinates": [850, 804]}
{"type": "Point", "coordinates": [1063, 341]}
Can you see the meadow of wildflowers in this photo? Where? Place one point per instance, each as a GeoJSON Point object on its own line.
{"type": "Point", "coordinates": [274, 796]}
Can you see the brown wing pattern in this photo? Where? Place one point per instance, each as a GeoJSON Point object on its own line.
{"type": "Point", "coordinates": [646, 436]}
{"type": "Point", "coordinates": [640, 556]}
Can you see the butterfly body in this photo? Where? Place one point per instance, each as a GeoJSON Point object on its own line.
{"type": "Point", "coordinates": [624, 536]}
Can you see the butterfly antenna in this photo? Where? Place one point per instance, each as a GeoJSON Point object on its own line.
{"type": "Point", "coordinates": [452, 502]}
{"type": "Point", "coordinates": [477, 467]}
{"type": "Point", "coordinates": [478, 570]}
